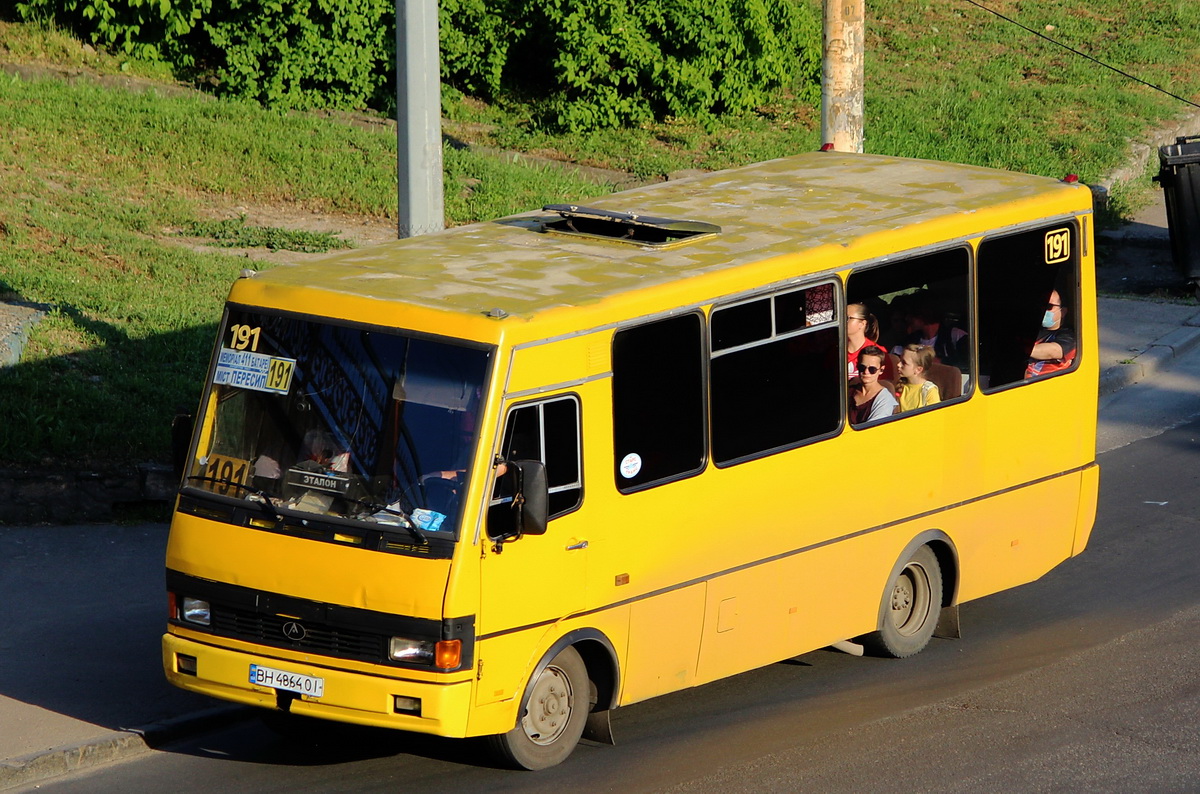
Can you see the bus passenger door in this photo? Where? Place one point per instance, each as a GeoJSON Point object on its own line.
{"type": "Point", "coordinates": [530, 582]}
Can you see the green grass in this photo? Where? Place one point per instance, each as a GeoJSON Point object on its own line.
{"type": "Point", "coordinates": [103, 190]}
{"type": "Point", "coordinates": [235, 233]}
{"type": "Point", "coordinates": [1012, 100]}
{"type": "Point", "coordinates": [38, 43]}
{"type": "Point", "coordinates": [96, 187]}
{"type": "Point", "coordinates": [944, 81]}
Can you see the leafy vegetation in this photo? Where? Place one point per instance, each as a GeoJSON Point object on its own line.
{"type": "Point", "coordinates": [303, 53]}
{"type": "Point", "coordinates": [591, 65]}
{"type": "Point", "coordinates": [944, 81]}
{"type": "Point", "coordinates": [611, 63]}
{"type": "Point", "coordinates": [148, 30]}
{"type": "Point", "coordinates": [282, 53]}
{"type": "Point", "coordinates": [98, 183]}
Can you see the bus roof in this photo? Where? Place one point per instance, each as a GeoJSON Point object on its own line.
{"type": "Point", "coordinates": [798, 215]}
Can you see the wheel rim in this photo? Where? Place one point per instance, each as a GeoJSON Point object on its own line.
{"type": "Point", "coordinates": [550, 705]}
{"type": "Point", "coordinates": [910, 600]}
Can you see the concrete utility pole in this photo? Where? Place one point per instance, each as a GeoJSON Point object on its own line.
{"type": "Point", "coordinates": [842, 76]}
{"type": "Point", "coordinates": [420, 208]}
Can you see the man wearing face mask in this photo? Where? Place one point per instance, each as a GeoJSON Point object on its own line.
{"type": "Point", "coordinates": [1055, 346]}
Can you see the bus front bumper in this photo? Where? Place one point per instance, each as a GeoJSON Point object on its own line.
{"type": "Point", "coordinates": [348, 696]}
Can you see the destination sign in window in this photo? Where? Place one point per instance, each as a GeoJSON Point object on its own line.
{"type": "Point", "coordinates": [245, 369]}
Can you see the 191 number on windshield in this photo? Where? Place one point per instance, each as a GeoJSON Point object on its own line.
{"type": "Point", "coordinates": [230, 471]}
{"type": "Point", "coordinates": [244, 337]}
{"type": "Point", "coordinates": [279, 375]}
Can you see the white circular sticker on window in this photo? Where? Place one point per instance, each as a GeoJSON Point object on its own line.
{"type": "Point", "coordinates": [631, 464]}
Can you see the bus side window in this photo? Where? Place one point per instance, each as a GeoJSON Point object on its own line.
{"type": "Point", "coordinates": [547, 431]}
{"type": "Point", "coordinates": [1018, 274]}
{"type": "Point", "coordinates": [775, 376]}
{"type": "Point", "coordinates": [924, 300]}
{"type": "Point", "coordinates": [658, 402]}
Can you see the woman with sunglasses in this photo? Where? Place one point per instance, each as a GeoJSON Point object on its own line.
{"type": "Point", "coordinates": [862, 331]}
{"type": "Point", "coordinates": [869, 400]}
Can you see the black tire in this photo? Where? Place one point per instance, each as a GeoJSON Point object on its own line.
{"type": "Point", "coordinates": [911, 605]}
{"type": "Point", "coordinates": [548, 729]}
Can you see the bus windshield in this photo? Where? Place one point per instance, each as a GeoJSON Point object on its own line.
{"type": "Point", "coordinates": [345, 422]}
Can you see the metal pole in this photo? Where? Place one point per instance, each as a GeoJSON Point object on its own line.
{"type": "Point", "coordinates": [420, 207]}
{"type": "Point", "coordinates": [842, 76]}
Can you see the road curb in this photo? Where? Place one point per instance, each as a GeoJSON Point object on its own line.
{"type": "Point", "coordinates": [16, 319]}
{"type": "Point", "coordinates": [1153, 358]}
{"type": "Point", "coordinates": [115, 746]}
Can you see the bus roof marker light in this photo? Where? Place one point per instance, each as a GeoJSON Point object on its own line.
{"type": "Point", "coordinates": [497, 313]}
{"type": "Point", "coordinates": [826, 147]}
{"type": "Point", "coordinates": [1071, 179]}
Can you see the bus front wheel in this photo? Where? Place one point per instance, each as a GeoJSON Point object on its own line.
{"type": "Point", "coordinates": [911, 607]}
{"type": "Point", "coordinates": [556, 710]}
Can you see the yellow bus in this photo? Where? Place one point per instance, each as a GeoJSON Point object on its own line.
{"type": "Point", "coordinates": [500, 480]}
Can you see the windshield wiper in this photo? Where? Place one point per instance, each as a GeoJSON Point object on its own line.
{"type": "Point", "coordinates": [264, 498]}
{"type": "Point", "coordinates": [406, 519]}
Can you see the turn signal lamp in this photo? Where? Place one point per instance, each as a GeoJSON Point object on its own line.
{"type": "Point", "coordinates": [448, 654]}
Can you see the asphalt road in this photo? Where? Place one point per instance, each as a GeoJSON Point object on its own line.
{"type": "Point", "coordinates": [1088, 679]}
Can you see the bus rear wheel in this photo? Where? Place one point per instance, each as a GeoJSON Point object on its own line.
{"type": "Point", "coordinates": [556, 710]}
{"type": "Point", "coordinates": [911, 606]}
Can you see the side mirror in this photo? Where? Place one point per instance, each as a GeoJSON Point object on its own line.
{"type": "Point", "coordinates": [532, 501]}
{"type": "Point", "coordinates": [521, 502]}
{"type": "Point", "coordinates": [531, 496]}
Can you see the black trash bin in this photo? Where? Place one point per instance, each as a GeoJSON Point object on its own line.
{"type": "Point", "coordinates": [1179, 175]}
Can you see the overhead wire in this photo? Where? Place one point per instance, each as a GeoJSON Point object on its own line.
{"type": "Point", "coordinates": [1081, 54]}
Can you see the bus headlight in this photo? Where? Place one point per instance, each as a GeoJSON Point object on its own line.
{"type": "Point", "coordinates": [402, 649]}
{"type": "Point", "coordinates": [196, 611]}
{"type": "Point", "coordinates": [445, 654]}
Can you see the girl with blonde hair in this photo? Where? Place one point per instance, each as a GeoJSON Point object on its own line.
{"type": "Point", "coordinates": [916, 390]}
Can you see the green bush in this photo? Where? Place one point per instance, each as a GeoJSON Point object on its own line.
{"type": "Point", "coordinates": [475, 37]}
{"type": "Point", "coordinates": [304, 53]}
{"type": "Point", "coordinates": [584, 66]}
{"type": "Point", "coordinates": [610, 63]}
{"type": "Point", "coordinates": [149, 30]}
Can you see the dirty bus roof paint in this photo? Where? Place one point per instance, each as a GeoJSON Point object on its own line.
{"type": "Point", "coordinates": [791, 216]}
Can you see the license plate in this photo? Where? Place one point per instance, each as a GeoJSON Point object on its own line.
{"type": "Point", "coordinates": [293, 682]}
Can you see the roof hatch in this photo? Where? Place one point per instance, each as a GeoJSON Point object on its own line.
{"type": "Point", "coordinates": [625, 227]}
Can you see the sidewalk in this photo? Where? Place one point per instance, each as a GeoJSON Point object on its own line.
{"type": "Point", "coordinates": [84, 607]}
{"type": "Point", "coordinates": [81, 682]}
{"type": "Point", "coordinates": [1138, 335]}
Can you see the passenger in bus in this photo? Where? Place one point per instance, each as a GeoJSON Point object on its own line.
{"type": "Point", "coordinates": [928, 326]}
{"type": "Point", "coordinates": [898, 314]}
{"type": "Point", "coordinates": [862, 330]}
{"type": "Point", "coordinates": [1054, 349]}
{"type": "Point", "coordinates": [916, 390]}
{"type": "Point", "coordinates": [869, 400]}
